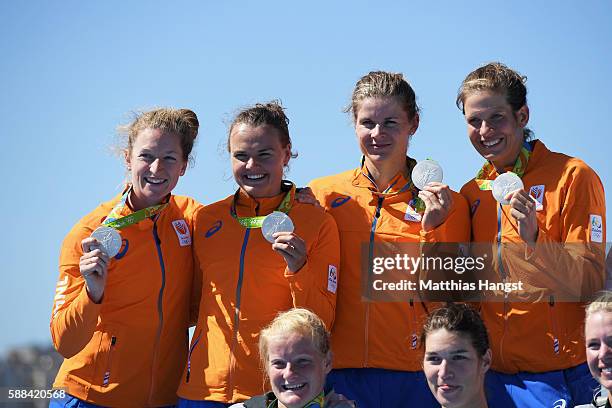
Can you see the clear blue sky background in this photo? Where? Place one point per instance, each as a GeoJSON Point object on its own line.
{"type": "Point", "coordinates": [71, 70]}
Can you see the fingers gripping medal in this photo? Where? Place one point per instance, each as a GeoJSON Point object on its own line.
{"type": "Point", "coordinates": [504, 184]}
{"type": "Point", "coordinates": [109, 238]}
{"type": "Point", "coordinates": [425, 172]}
{"type": "Point", "coordinates": [276, 222]}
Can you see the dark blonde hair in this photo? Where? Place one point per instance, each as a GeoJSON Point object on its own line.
{"type": "Point", "coordinates": [271, 113]}
{"type": "Point", "coordinates": [381, 84]}
{"type": "Point", "coordinates": [299, 321]}
{"type": "Point", "coordinates": [460, 318]}
{"type": "Point", "coordinates": [498, 78]}
{"type": "Point", "coordinates": [181, 122]}
{"type": "Point", "coordinates": [601, 303]}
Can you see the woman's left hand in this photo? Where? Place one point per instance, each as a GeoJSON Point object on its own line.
{"type": "Point", "coordinates": [438, 203]}
{"type": "Point", "coordinates": [292, 248]}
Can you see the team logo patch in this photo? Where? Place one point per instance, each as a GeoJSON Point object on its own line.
{"type": "Point", "coordinates": [537, 193]}
{"type": "Point", "coordinates": [332, 279]}
{"type": "Point", "coordinates": [182, 232]}
{"type": "Point", "coordinates": [411, 214]}
{"type": "Point", "coordinates": [560, 403]}
{"type": "Point", "coordinates": [596, 226]}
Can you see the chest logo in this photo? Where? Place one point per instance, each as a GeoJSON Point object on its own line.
{"type": "Point", "coordinates": [339, 201]}
{"type": "Point", "coordinates": [182, 232]}
{"type": "Point", "coordinates": [537, 193]}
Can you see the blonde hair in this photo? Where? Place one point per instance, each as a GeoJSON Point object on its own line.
{"type": "Point", "coordinates": [601, 303]}
{"type": "Point", "coordinates": [299, 321]}
{"type": "Point", "coordinates": [181, 122]}
{"type": "Point", "coordinates": [381, 84]}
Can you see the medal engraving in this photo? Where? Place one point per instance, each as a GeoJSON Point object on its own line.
{"type": "Point", "coordinates": [109, 239]}
{"type": "Point", "coordinates": [276, 222]}
{"type": "Point", "coordinates": [505, 183]}
{"type": "Point", "coordinates": [426, 171]}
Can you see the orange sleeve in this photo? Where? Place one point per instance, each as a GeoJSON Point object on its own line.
{"type": "Point", "coordinates": [315, 285]}
{"type": "Point", "coordinates": [196, 285]}
{"type": "Point", "coordinates": [75, 315]}
{"type": "Point", "coordinates": [577, 258]}
{"type": "Point", "coordinates": [456, 228]}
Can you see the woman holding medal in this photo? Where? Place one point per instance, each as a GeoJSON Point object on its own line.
{"type": "Point", "coordinates": [123, 299]}
{"type": "Point", "coordinates": [259, 252]}
{"type": "Point", "coordinates": [377, 359]}
{"type": "Point", "coordinates": [548, 230]}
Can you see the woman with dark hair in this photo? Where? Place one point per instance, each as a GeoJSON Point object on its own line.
{"type": "Point", "coordinates": [457, 356]}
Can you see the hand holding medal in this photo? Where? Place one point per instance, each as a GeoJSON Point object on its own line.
{"type": "Point", "coordinates": [93, 266]}
{"type": "Point", "coordinates": [277, 228]}
{"type": "Point", "coordinates": [427, 176]}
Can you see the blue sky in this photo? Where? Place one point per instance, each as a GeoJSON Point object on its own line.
{"type": "Point", "coordinates": [71, 71]}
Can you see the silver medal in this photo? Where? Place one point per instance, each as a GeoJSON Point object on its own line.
{"type": "Point", "coordinates": [109, 239]}
{"type": "Point", "coordinates": [425, 172]}
{"type": "Point", "coordinates": [276, 222]}
{"type": "Point", "coordinates": [504, 184]}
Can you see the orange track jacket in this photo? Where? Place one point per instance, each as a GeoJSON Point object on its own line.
{"type": "Point", "coordinates": [245, 284]}
{"type": "Point", "coordinates": [130, 349]}
{"type": "Point", "coordinates": [378, 334]}
{"type": "Point", "coordinates": [572, 199]}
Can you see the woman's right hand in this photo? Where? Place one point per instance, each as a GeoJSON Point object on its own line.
{"type": "Point", "coordinates": [93, 265]}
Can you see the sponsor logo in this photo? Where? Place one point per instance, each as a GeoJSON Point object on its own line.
{"type": "Point", "coordinates": [596, 227]}
{"type": "Point", "coordinates": [475, 206]}
{"type": "Point", "coordinates": [560, 403]}
{"type": "Point", "coordinates": [537, 193]}
{"type": "Point", "coordinates": [212, 230]}
{"type": "Point", "coordinates": [339, 201]}
{"type": "Point", "coordinates": [332, 278]}
{"type": "Point", "coordinates": [182, 232]}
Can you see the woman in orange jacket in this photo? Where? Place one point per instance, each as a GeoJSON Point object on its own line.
{"type": "Point", "coordinates": [378, 362]}
{"type": "Point", "coordinates": [259, 252]}
{"type": "Point", "coordinates": [122, 303]}
{"type": "Point", "coordinates": [548, 235]}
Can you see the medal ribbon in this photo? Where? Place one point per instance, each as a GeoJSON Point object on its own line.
{"type": "Point", "coordinates": [117, 221]}
{"type": "Point", "coordinates": [256, 222]}
{"type": "Point", "coordinates": [415, 202]}
{"type": "Point", "coordinates": [316, 402]}
{"type": "Point", "coordinates": [488, 170]}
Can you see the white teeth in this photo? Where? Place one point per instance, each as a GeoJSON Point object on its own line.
{"type": "Point", "coordinates": [607, 370]}
{"type": "Point", "coordinates": [254, 176]}
{"type": "Point", "coordinates": [154, 180]}
{"type": "Point", "coordinates": [293, 387]}
{"type": "Point", "coordinates": [490, 143]}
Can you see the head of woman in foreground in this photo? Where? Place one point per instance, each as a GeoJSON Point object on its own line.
{"type": "Point", "coordinates": [457, 356]}
{"type": "Point", "coordinates": [260, 148]}
{"type": "Point", "coordinates": [296, 356]}
{"type": "Point", "coordinates": [157, 150]}
{"type": "Point", "coordinates": [493, 99]}
{"type": "Point", "coordinates": [598, 336]}
{"type": "Point", "coordinates": [385, 113]}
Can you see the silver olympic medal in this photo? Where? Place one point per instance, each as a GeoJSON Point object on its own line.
{"type": "Point", "coordinates": [276, 222]}
{"type": "Point", "coordinates": [425, 172]}
{"type": "Point", "coordinates": [109, 238]}
{"type": "Point", "coordinates": [505, 183]}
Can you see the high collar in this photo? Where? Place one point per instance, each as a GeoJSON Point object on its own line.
{"type": "Point", "coordinates": [363, 179]}
{"type": "Point", "coordinates": [247, 206]}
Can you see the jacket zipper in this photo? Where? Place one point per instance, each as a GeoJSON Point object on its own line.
{"type": "Point", "coordinates": [160, 310]}
{"type": "Point", "coordinates": [370, 260]}
{"type": "Point", "coordinates": [237, 314]}
{"type": "Point", "coordinates": [502, 272]}
{"type": "Point", "coordinates": [107, 373]}
{"type": "Point", "coordinates": [195, 343]}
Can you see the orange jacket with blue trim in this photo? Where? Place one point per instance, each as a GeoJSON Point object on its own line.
{"type": "Point", "coordinates": [568, 259]}
{"type": "Point", "coordinates": [378, 334]}
{"type": "Point", "coordinates": [131, 348]}
{"type": "Point", "coordinates": [245, 284]}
